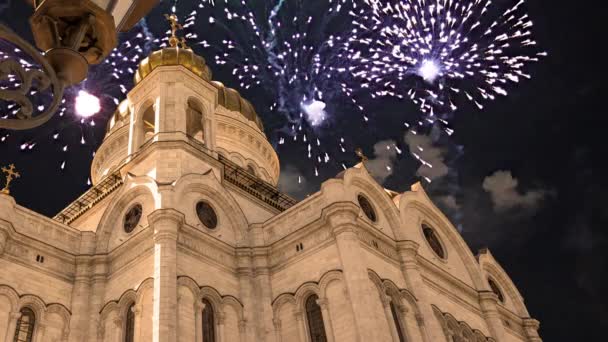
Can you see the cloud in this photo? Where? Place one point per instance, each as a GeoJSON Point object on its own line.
{"type": "Point", "coordinates": [448, 202]}
{"type": "Point", "coordinates": [292, 182]}
{"type": "Point", "coordinates": [432, 158]}
{"type": "Point", "coordinates": [502, 187]}
{"type": "Point", "coordinates": [382, 166]}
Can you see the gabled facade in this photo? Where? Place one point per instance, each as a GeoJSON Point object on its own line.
{"type": "Point", "coordinates": [184, 237]}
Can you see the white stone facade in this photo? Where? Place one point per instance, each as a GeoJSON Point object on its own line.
{"type": "Point", "coordinates": [261, 263]}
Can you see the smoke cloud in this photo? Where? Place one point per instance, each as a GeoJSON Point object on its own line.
{"type": "Point", "coordinates": [502, 187]}
{"type": "Point", "coordinates": [432, 157]}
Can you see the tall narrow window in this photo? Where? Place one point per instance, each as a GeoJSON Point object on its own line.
{"type": "Point", "coordinates": [25, 326]}
{"type": "Point", "coordinates": [149, 123]}
{"type": "Point", "coordinates": [208, 322]}
{"type": "Point", "coordinates": [194, 121]}
{"type": "Point", "coordinates": [316, 328]}
{"type": "Point", "coordinates": [397, 323]}
{"type": "Point", "coordinates": [130, 324]}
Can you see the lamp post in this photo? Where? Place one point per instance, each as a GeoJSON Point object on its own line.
{"type": "Point", "coordinates": [73, 35]}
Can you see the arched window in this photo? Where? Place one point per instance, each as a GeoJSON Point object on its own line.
{"type": "Point", "coordinates": [194, 121]}
{"type": "Point", "coordinates": [433, 240]}
{"type": "Point", "coordinates": [149, 123]}
{"type": "Point", "coordinates": [316, 328]}
{"type": "Point", "coordinates": [251, 170]}
{"type": "Point", "coordinates": [397, 321]}
{"type": "Point", "coordinates": [24, 331]}
{"type": "Point", "coordinates": [130, 324]}
{"type": "Point", "coordinates": [496, 290]}
{"type": "Point", "coordinates": [208, 322]}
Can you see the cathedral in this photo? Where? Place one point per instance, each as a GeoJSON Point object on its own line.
{"type": "Point", "coordinates": [185, 237]}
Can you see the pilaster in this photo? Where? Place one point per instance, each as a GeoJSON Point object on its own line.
{"type": "Point", "coordinates": [99, 271]}
{"type": "Point", "coordinates": [165, 224]}
{"type": "Point", "coordinates": [489, 306]}
{"type": "Point", "coordinates": [245, 273]}
{"type": "Point", "coordinates": [431, 329]}
{"type": "Point", "coordinates": [342, 218]}
{"type": "Point", "coordinates": [531, 329]}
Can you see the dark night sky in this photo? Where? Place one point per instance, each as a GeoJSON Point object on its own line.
{"type": "Point", "coordinates": [549, 133]}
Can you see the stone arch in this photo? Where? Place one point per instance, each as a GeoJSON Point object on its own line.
{"type": "Point", "coordinates": [64, 315]}
{"type": "Point", "coordinates": [360, 178]}
{"type": "Point", "coordinates": [328, 278]}
{"type": "Point", "coordinates": [214, 297]}
{"type": "Point", "coordinates": [305, 291]}
{"type": "Point", "coordinates": [406, 306]}
{"type": "Point", "coordinates": [149, 106]}
{"type": "Point", "coordinates": [190, 284]}
{"type": "Point", "coordinates": [11, 295]}
{"type": "Point", "coordinates": [36, 304]}
{"type": "Point", "coordinates": [457, 330]}
{"type": "Point", "coordinates": [491, 267]}
{"type": "Point", "coordinates": [197, 183]}
{"type": "Point", "coordinates": [416, 205]}
{"type": "Point", "coordinates": [132, 189]}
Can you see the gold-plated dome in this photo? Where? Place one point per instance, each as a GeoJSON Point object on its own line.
{"type": "Point", "coordinates": [173, 56]}
{"type": "Point", "coordinates": [231, 99]}
{"type": "Point", "coordinates": [227, 97]}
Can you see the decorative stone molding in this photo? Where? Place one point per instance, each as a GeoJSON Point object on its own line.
{"type": "Point", "coordinates": [457, 330]}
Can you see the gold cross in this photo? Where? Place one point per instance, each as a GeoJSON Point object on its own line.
{"type": "Point", "coordinates": [11, 174]}
{"type": "Point", "coordinates": [175, 25]}
{"type": "Point", "coordinates": [359, 153]}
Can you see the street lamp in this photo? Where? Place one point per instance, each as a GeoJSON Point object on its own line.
{"type": "Point", "coordinates": [73, 34]}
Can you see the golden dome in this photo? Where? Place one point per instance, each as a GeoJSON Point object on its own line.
{"type": "Point", "coordinates": [173, 56]}
{"type": "Point", "coordinates": [227, 97]}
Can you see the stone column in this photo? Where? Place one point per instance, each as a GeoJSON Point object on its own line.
{"type": "Point", "coordinates": [301, 326]}
{"type": "Point", "coordinates": [362, 295]}
{"type": "Point", "coordinates": [430, 328]}
{"type": "Point", "coordinates": [81, 293]}
{"type": "Point", "coordinates": [489, 306]}
{"type": "Point", "coordinates": [221, 325]}
{"type": "Point", "coordinates": [39, 332]}
{"type": "Point", "coordinates": [324, 305]}
{"type": "Point", "coordinates": [242, 330]}
{"type": "Point", "coordinates": [13, 317]}
{"type": "Point", "coordinates": [386, 304]}
{"type": "Point", "coordinates": [99, 269]}
{"type": "Point", "coordinates": [264, 300]}
{"type": "Point", "coordinates": [198, 319]}
{"type": "Point", "coordinates": [118, 326]}
{"type": "Point", "coordinates": [531, 326]}
{"type": "Point", "coordinates": [165, 224]}
{"type": "Point", "coordinates": [277, 329]}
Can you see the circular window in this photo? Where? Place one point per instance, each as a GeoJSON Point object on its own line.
{"type": "Point", "coordinates": [433, 240]}
{"type": "Point", "coordinates": [367, 208]}
{"type": "Point", "coordinates": [206, 214]}
{"type": "Point", "coordinates": [132, 218]}
{"type": "Point", "coordinates": [496, 290]}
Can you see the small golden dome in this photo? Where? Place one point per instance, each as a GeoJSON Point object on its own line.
{"type": "Point", "coordinates": [173, 56]}
{"type": "Point", "coordinates": [227, 97]}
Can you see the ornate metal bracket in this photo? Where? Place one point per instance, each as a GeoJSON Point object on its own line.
{"type": "Point", "coordinates": [44, 78]}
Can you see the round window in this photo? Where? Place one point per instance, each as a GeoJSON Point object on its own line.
{"type": "Point", "coordinates": [433, 240]}
{"type": "Point", "coordinates": [206, 214]}
{"type": "Point", "coordinates": [367, 208]}
{"type": "Point", "coordinates": [132, 218]}
{"type": "Point", "coordinates": [496, 290]}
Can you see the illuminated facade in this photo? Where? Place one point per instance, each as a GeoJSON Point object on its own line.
{"type": "Point", "coordinates": [184, 237]}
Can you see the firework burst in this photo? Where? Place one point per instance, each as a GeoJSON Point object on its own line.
{"type": "Point", "coordinates": [436, 52]}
